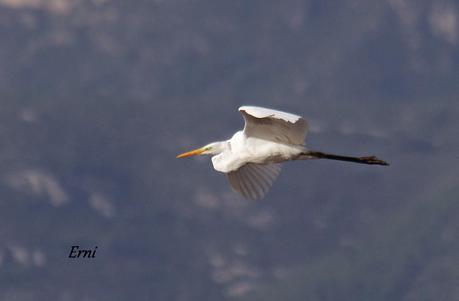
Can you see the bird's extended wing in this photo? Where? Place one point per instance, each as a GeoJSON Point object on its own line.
{"type": "Point", "coordinates": [274, 125]}
{"type": "Point", "coordinates": [253, 181]}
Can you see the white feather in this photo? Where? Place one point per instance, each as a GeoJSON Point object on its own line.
{"type": "Point", "coordinates": [253, 181]}
{"type": "Point", "coordinates": [273, 125]}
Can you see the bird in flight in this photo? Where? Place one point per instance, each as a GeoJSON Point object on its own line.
{"type": "Point", "coordinates": [251, 158]}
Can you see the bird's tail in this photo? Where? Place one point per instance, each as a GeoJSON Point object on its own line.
{"type": "Point", "coordinates": [321, 155]}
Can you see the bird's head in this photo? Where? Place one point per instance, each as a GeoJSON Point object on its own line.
{"type": "Point", "coordinates": [213, 148]}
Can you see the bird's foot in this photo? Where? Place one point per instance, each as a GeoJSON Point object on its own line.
{"type": "Point", "coordinates": [373, 160]}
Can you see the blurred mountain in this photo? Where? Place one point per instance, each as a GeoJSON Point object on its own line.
{"type": "Point", "coordinates": [97, 97]}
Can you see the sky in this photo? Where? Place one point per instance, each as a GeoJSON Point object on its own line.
{"type": "Point", "coordinates": [98, 97]}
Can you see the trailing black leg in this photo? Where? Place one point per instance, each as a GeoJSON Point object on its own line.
{"type": "Point", "coordinates": [363, 160]}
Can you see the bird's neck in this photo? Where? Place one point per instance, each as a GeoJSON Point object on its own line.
{"type": "Point", "coordinates": [218, 147]}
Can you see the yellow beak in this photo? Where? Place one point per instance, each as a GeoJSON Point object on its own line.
{"type": "Point", "coordinates": [195, 152]}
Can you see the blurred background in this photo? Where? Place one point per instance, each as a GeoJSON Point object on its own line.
{"type": "Point", "coordinates": [98, 96]}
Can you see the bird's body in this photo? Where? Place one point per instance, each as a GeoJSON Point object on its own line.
{"type": "Point", "coordinates": [241, 150]}
{"type": "Point", "coordinates": [251, 157]}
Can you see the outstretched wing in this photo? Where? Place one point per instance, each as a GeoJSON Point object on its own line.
{"type": "Point", "coordinates": [253, 181]}
{"type": "Point", "coordinates": [274, 125]}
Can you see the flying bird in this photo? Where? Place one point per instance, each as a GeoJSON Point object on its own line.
{"type": "Point", "coordinates": [252, 157]}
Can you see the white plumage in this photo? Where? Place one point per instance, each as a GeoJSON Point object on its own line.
{"type": "Point", "coordinates": [274, 125]}
{"type": "Point", "coordinates": [251, 157]}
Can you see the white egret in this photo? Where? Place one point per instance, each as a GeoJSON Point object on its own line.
{"type": "Point", "coordinates": [251, 158]}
